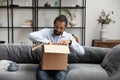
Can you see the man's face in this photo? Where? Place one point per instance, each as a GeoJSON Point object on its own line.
{"type": "Point", "coordinates": [59, 27]}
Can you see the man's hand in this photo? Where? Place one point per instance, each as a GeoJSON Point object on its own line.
{"type": "Point", "coordinates": [62, 42]}
{"type": "Point", "coordinates": [65, 42]}
{"type": "Point", "coordinates": [50, 43]}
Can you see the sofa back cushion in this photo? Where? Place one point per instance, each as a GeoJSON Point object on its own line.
{"type": "Point", "coordinates": [92, 55]}
{"type": "Point", "coordinates": [111, 61]}
{"type": "Point", "coordinates": [24, 54]}
{"type": "Point", "coordinates": [19, 53]}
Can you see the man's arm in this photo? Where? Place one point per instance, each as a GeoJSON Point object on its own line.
{"type": "Point", "coordinates": [39, 36]}
{"type": "Point", "coordinates": [75, 46]}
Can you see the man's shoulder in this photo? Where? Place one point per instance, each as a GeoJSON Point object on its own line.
{"type": "Point", "coordinates": [66, 33]}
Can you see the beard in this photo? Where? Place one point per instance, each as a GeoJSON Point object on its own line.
{"type": "Point", "coordinates": [57, 33]}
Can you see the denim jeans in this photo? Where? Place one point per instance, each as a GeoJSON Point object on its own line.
{"type": "Point", "coordinates": [51, 74]}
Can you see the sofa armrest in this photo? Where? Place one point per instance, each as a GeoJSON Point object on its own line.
{"type": "Point", "coordinates": [115, 77]}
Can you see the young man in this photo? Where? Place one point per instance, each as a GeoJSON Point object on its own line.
{"type": "Point", "coordinates": [59, 36]}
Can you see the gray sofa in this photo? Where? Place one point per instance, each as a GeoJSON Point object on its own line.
{"type": "Point", "coordinates": [96, 64]}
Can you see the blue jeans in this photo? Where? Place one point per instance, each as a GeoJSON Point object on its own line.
{"type": "Point", "coordinates": [51, 74]}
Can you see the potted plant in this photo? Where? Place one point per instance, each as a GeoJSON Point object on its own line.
{"type": "Point", "coordinates": [104, 19]}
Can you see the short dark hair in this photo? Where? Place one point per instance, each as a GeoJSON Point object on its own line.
{"type": "Point", "coordinates": [61, 18]}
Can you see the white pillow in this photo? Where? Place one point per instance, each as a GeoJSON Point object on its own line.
{"type": "Point", "coordinates": [4, 64]}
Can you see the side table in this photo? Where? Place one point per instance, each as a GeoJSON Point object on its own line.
{"type": "Point", "coordinates": [105, 44]}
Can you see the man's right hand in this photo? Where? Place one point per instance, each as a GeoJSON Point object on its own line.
{"type": "Point", "coordinates": [50, 43]}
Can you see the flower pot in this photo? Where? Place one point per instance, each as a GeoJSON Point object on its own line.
{"type": "Point", "coordinates": [103, 35]}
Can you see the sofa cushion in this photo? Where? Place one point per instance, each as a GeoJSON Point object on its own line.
{"type": "Point", "coordinates": [86, 72]}
{"type": "Point", "coordinates": [111, 61]}
{"type": "Point", "coordinates": [24, 54]}
{"type": "Point", "coordinates": [19, 53]}
{"type": "Point", "coordinates": [92, 55]}
{"type": "Point", "coordinates": [25, 72]}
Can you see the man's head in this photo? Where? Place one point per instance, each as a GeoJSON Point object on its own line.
{"type": "Point", "coordinates": [60, 23]}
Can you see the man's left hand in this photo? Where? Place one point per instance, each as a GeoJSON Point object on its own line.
{"type": "Point", "coordinates": [64, 42]}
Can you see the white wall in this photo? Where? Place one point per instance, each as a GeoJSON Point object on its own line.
{"type": "Point", "coordinates": [93, 8]}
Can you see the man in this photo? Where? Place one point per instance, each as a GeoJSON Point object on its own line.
{"type": "Point", "coordinates": [53, 36]}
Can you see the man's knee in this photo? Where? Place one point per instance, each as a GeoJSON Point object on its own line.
{"type": "Point", "coordinates": [61, 75]}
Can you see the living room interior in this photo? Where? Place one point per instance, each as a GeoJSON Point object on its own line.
{"type": "Point", "coordinates": [87, 19]}
{"type": "Point", "coordinates": [18, 18]}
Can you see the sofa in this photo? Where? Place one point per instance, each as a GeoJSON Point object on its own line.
{"type": "Point", "coordinates": [96, 64]}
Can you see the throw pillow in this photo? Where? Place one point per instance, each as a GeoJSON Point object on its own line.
{"type": "Point", "coordinates": [111, 62]}
{"type": "Point", "coordinates": [4, 64]}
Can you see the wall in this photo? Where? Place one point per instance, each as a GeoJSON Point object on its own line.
{"type": "Point", "coordinates": [93, 10]}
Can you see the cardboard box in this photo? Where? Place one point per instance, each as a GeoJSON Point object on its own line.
{"type": "Point", "coordinates": [55, 57]}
